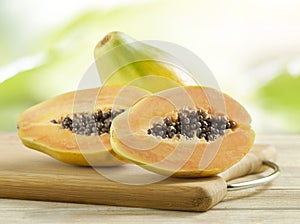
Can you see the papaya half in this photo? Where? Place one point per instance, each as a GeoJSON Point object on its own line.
{"type": "Point", "coordinates": [184, 132]}
{"type": "Point", "coordinates": [74, 127]}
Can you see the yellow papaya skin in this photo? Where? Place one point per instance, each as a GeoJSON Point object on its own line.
{"type": "Point", "coordinates": [179, 157]}
{"type": "Point", "coordinates": [37, 130]}
{"type": "Point", "coordinates": [121, 60]}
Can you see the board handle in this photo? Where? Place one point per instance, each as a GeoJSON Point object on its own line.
{"type": "Point", "coordinates": [257, 160]}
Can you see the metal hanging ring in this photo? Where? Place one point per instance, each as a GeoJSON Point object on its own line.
{"type": "Point", "coordinates": [257, 182]}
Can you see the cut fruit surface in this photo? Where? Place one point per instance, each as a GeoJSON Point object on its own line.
{"type": "Point", "coordinates": [179, 147]}
{"type": "Point", "coordinates": [74, 127]}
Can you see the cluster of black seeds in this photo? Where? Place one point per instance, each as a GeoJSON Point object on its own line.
{"type": "Point", "coordinates": [89, 123]}
{"type": "Point", "coordinates": [193, 123]}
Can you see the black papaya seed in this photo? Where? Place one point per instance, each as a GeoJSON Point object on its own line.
{"type": "Point", "coordinates": [193, 123]}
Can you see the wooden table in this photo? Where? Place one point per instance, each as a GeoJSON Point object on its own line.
{"type": "Point", "coordinates": [278, 202]}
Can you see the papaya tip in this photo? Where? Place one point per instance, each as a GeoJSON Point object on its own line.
{"type": "Point", "coordinates": [105, 40]}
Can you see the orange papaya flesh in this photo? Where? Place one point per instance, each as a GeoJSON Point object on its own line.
{"type": "Point", "coordinates": [179, 155]}
{"type": "Point", "coordinates": [40, 127]}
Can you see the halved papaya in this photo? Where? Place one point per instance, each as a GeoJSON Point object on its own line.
{"type": "Point", "coordinates": [184, 132]}
{"type": "Point", "coordinates": [74, 127]}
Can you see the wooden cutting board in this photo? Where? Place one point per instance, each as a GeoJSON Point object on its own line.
{"type": "Point", "coordinates": [28, 174]}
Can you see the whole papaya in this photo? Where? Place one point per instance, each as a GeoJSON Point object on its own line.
{"type": "Point", "coordinates": [121, 60]}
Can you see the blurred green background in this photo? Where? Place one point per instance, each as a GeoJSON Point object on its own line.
{"type": "Point", "coordinates": [252, 47]}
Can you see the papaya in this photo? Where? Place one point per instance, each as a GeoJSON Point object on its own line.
{"type": "Point", "coordinates": [127, 69]}
{"type": "Point", "coordinates": [74, 127]}
{"type": "Point", "coordinates": [186, 132]}
{"type": "Point", "coordinates": [121, 60]}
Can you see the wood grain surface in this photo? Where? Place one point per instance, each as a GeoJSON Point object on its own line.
{"type": "Point", "coordinates": [274, 203]}
{"type": "Point", "coordinates": [28, 174]}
